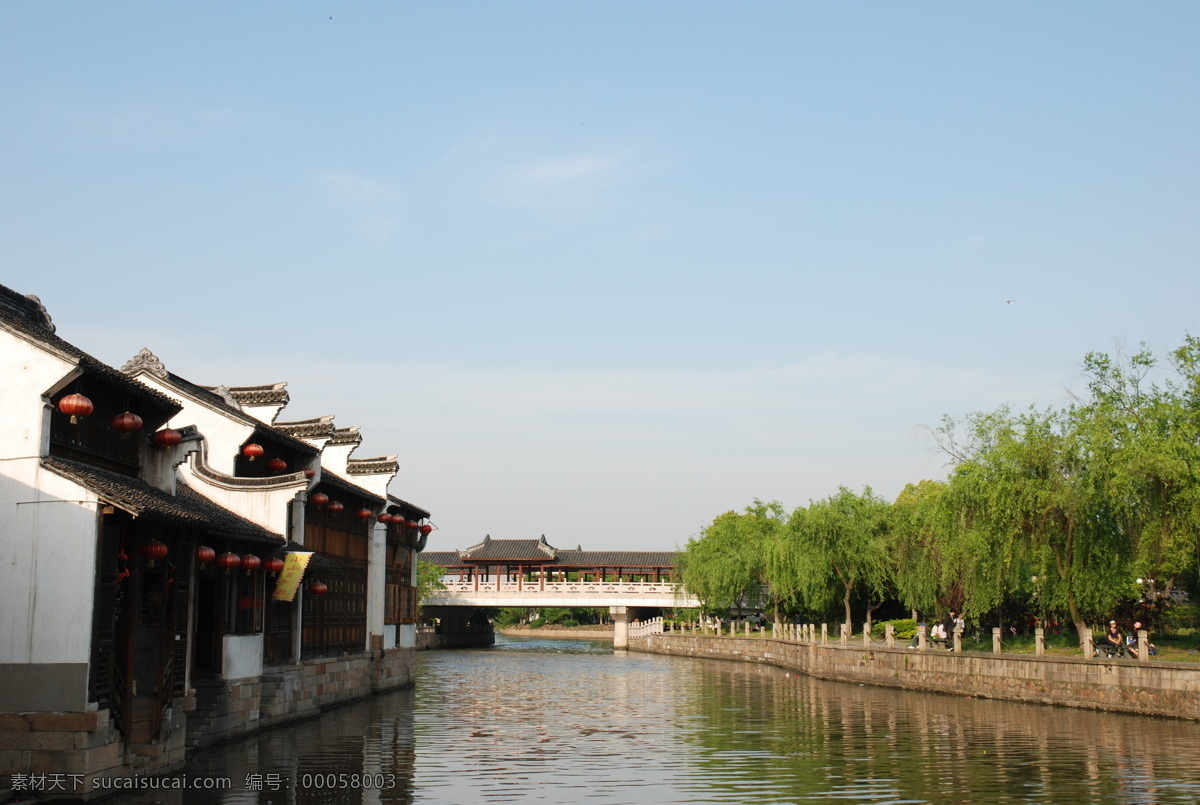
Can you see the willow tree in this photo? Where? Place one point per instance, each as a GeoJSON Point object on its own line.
{"type": "Point", "coordinates": [1147, 456]}
{"type": "Point", "coordinates": [917, 541]}
{"type": "Point", "coordinates": [837, 546]}
{"type": "Point", "coordinates": [1029, 513]}
{"type": "Point", "coordinates": [725, 567]}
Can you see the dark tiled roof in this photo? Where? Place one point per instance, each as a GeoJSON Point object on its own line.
{"type": "Point", "coordinates": [510, 549]}
{"type": "Point", "coordinates": [27, 315]}
{"type": "Point", "coordinates": [540, 552]}
{"type": "Point", "coordinates": [348, 435]}
{"type": "Point", "coordinates": [334, 482]}
{"type": "Point", "coordinates": [617, 558]}
{"type": "Point", "coordinates": [442, 558]}
{"type": "Point", "coordinates": [270, 394]}
{"type": "Point", "coordinates": [319, 426]}
{"type": "Point", "coordinates": [409, 510]}
{"type": "Point", "coordinates": [187, 507]}
{"type": "Point", "coordinates": [372, 466]}
{"type": "Point", "coordinates": [210, 396]}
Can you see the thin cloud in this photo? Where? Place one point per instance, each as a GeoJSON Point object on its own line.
{"type": "Point", "coordinates": [573, 180]}
{"type": "Point", "coordinates": [370, 204]}
{"type": "Point", "coordinates": [142, 121]}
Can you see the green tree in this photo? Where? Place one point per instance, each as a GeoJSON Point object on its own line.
{"type": "Point", "coordinates": [839, 545]}
{"type": "Point", "coordinates": [916, 538]}
{"type": "Point", "coordinates": [429, 580]}
{"type": "Point", "coordinates": [725, 567]}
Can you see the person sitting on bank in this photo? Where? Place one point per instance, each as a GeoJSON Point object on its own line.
{"type": "Point", "coordinates": [1114, 641]}
{"type": "Point", "coordinates": [1131, 642]}
{"type": "Point", "coordinates": [948, 627]}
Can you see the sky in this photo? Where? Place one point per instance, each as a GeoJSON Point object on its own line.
{"type": "Point", "coordinates": [604, 270]}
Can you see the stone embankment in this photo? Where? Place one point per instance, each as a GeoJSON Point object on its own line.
{"type": "Point", "coordinates": [576, 633]}
{"type": "Point", "coordinates": [1148, 688]}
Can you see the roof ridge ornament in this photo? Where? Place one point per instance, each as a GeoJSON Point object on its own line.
{"type": "Point", "coordinates": [145, 361]}
{"type": "Point", "coordinates": [223, 393]}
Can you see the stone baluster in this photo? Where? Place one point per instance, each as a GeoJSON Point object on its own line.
{"type": "Point", "coordinates": [995, 639]}
{"type": "Point", "coordinates": [1039, 642]}
{"type": "Point", "coordinates": [922, 637]}
{"type": "Point", "coordinates": [747, 625]}
{"type": "Point", "coordinates": [1089, 649]}
{"type": "Point", "coordinates": [866, 635]}
{"type": "Point", "coordinates": [824, 633]}
{"type": "Point", "coordinates": [958, 639]}
{"type": "Point", "coordinates": [889, 635]}
{"type": "Point", "coordinates": [1143, 641]}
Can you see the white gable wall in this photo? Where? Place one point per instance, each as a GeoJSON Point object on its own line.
{"type": "Point", "coordinates": [48, 535]}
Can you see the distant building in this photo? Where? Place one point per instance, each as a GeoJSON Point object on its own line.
{"type": "Point", "coordinates": [142, 517]}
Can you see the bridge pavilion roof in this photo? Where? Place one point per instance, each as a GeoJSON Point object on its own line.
{"type": "Point", "coordinates": [541, 553]}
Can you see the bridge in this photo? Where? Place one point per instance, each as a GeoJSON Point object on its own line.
{"type": "Point", "coordinates": [533, 573]}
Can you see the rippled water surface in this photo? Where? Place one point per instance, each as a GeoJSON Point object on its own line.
{"type": "Point", "coordinates": [573, 722]}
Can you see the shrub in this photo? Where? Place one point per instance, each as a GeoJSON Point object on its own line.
{"type": "Point", "coordinates": [537, 623]}
{"type": "Point", "coordinates": [905, 628]}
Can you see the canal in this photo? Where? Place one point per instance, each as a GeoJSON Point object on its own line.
{"type": "Point", "coordinates": [555, 721]}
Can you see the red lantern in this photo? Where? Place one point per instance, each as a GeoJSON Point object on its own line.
{"type": "Point", "coordinates": [335, 507]}
{"type": "Point", "coordinates": [277, 465]}
{"type": "Point", "coordinates": [319, 499]}
{"type": "Point", "coordinates": [229, 561]}
{"type": "Point", "coordinates": [383, 518]}
{"type": "Point", "coordinates": [126, 423]}
{"type": "Point", "coordinates": [309, 472]}
{"type": "Point", "coordinates": [411, 524]}
{"type": "Point", "coordinates": [318, 588]}
{"type": "Point", "coordinates": [204, 555]}
{"type": "Point", "coordinates": [250, 562]}
{"type": "Point", "coordinates": [75, 406]}
{"type": "Point", "coordinates": [168, 437]}
{"type": "Point", "coordinates": [426, 530]}
{"type": "Point", "coordinates": [273, 565]}
{"type": "Point", "coordinates": [152, 550]}
{"type": "Point", "coordinates": [364, 514]}
{"type": "Point", "coordinates": [252, 451]}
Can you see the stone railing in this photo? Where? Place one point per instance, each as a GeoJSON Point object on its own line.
{"type": "Point", "coordinates": [640, 629]}
{"type": "Point", "coordinates": [562, 587]}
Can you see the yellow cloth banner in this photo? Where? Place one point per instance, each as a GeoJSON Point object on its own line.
{"type": "Point", "coordinates": [289, 578]}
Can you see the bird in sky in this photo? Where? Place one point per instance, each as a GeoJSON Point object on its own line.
{"type": "Point", "coordinates": [1009, 301]}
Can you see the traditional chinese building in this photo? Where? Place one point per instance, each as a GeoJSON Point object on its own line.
{"type": "Point", "coordinates": [145, 526]}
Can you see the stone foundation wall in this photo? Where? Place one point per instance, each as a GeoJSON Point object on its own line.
{"type": "Point", "coordinates": [68, 751]}
{"type": "Point", "coordinates": [1149, 688]}
{"type": "Point", "coordinates": [427, 641]}
{"type": "Point", "coordinates": [72, 749]}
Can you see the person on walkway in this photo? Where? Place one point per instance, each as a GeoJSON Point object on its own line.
{"type": "Point", "coordinates": [948, 629]}
{"type": "Point", "coordinates": [1131, 642]}
{"type": "Point", "coordinates": [1114, 642]}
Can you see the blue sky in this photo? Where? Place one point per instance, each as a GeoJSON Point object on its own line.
{"type": "Point", "coordinates": [603, 271]}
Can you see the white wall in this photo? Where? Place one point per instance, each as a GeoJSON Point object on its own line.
{"type": "Point", "coordinates": [48, 525]}
{"type": "Point", "coordinates": [48, 535]}
{"type": "Point", "coordinates": [28, 372]}
{"type": "Point", "coordinates": [241, 656]}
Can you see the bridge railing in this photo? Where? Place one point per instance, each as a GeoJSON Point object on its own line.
{"type": "Point", "coordinates": [561, 587]}
{"type": "Point", "coordinates": [640, 629]}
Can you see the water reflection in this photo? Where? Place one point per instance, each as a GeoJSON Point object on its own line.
{"type": "Point", "coordinates": [573, 722]}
